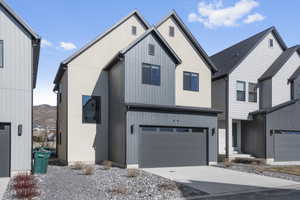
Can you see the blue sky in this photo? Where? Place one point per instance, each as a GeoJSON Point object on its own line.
{"type": "Point", "coordinates": [69, 24]}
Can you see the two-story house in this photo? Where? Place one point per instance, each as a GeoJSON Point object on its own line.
{"type": "Point", "coordinates": [19, 56]}
{"type": "Point", "coordinates": [122, 98]}
{"type": "Point", "coordinates": [235, 84]}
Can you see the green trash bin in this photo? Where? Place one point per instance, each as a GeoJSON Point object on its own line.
{"type": "Point", "coordinates": [41, 158]}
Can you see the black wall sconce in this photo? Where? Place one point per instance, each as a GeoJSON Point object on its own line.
{"type": "Point", "coordinates": [20, 129]}
{"type": "Point", "coordinates": [131, 129]}
{"type": "Point", "coordinates": [271, 132]}
{"type": "Point", "coordinates": [213, 131]}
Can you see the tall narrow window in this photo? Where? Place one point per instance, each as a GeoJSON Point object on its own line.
{"type": "Point", "coordinates": [241, 91]}
{"type": "Point", "coordinates": [190, 81]}
{"type": "Point", "coordinates": [252, 89]}
{"type": "Point", "coordinates": [150, 74]}
{"type": "Point", "coordinates": [271, 43]}
{"type": "Point", "coordinates": [91, 109]}
{"type": "Point", "coordinates": [1, 54]}
{"type": "Point", "coordinates": [151, 49]}
{"type": "Point", "coordinates": [171, 31]}
{"type": "Point", "coordinates": [133, 30]}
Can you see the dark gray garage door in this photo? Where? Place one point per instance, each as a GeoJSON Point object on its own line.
{"type": "Point", "coordinates": [4, 150]}
{"type": "Point", "coordinates": [170, 146]}
{"type": "Point", "coordinates": [287, 146]}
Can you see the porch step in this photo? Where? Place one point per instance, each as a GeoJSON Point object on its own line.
{"type": "Point", "coordinates": [240, 155]}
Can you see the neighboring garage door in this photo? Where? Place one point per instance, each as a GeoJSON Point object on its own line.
{"type": "Point", "coordinates": [287, 146]}
{"type": "Point", "coordinates": [4, 150]}
{"type": "Point", "coordinates": [171, 146]}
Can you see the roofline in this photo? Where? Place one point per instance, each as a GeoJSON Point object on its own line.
{"type": "Point", "coordinates": [164, 108]}
{"type": "Point", "coordinates": [190, 36]}
{"type": "Point", "coordinates": [274, 108]}
{"type": "Point", "coordinates": [271, 29]}
{"type": "Point", "coordinates": [296, 48]}
{"type": "Point", "coordinates": [92, 42]}
{"type": "Point", "coordinates": [19, 20]}
{"type": "Point", "coordinates": [294, 75]}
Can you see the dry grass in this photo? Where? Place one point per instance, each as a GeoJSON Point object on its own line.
{"type": "Point", "coordinates": [25, 186]}
{"type": "Point", "coordinates": [122, 190]}
{"type": "Point", "coordinates": [78, 166]}
{"type": "Point", "coordinates": [167, 186]}
{"type": "Point", "coordinates": [227, 163]}
{"type": "Point", "coordinates": [89, 170]}
{"type": "Point", "coordinates": [131, 173]}
{"type": "Point", "coordinates": [107, 164]}
{"type": "Point", "coordinates": [249, 161]}
{"type": "Point", "coordinates": [293, 170]}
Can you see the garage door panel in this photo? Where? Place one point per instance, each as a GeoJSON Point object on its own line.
{"type": "Point", "coordinates": [287, 147]}
{"type": "Point", "coordinates": [4, 150]}
{"type": "Point", "coordinates": [165, 149]}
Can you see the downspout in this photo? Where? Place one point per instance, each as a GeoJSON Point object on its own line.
{"type": "Point", "coordinates": [227, 116]}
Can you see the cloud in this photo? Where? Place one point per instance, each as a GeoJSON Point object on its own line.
{"type": "Point", "coordinates": [213, 15]}
{"type": "Point", "coordinates": [46, 43]}
{"type": "Point", "coordinates": [254, 18]}
{"type": "Point", "coordinates": [67, 46]}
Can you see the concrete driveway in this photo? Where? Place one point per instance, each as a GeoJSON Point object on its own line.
{"type": "Point", "coordinates": [219, 181]}
{"type": "Point", "coordinates": [3, 185]}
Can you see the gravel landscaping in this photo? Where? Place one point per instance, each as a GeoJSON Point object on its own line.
{"type": "Point", "coordinates": [260, 170]}
{"type": "Point", "coordinates": [66, 183]}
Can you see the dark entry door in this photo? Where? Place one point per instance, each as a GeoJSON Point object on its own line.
{"type": "Point", "coordinates": [234, 135]}
{"type": "Point", "coordinates": [172, 146]}
{"type": "Point", "coordinates": [4, 150]}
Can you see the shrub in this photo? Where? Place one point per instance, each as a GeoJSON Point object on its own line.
{"type": "Point", "coordinates": [227, 163]}
{"type": "Point", "coordinates": [167, 186]}
{"type": "Point", "coordinates": [107, 164]}
{"type": "Point", "coordinates": [250, 161]}
{"type": "Point", "coordinates": [25, 186]}
{"type": "Point", "coordinates": [88, 170]}
{"type": "Point", "coordinates": [77, 166]}
{"type": "Point", "coordinates": [131, 173]}
{"type": "Point", "coordinates": [119, 191]}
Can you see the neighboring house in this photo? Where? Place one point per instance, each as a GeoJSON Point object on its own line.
{"type": "Point", "coordinates": [131, 109]}
{"type": "Point", "coordinates": [19, 56]}
{"type": "Point", "coordinates": [234, 87]}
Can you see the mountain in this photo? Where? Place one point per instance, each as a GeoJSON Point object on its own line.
{"type": "Point", "coordinates": [44, 116]}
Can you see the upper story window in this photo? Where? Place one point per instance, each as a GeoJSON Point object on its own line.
{"type": "Point", "coordinates": [151, 49]}
{"type": "Point", "coordinates": [171, 31]}
{"type": "Point", "coordinates": [91, 109]}
{"type": "Point", "coordinates": [150, 74]}
{"type": "Point", "coordinates": [190, 81]}
{"type": "Point", "coordinates": [252, 90]}
{"type": "Point", "coordinates": [241, 90]}
{"type": "Point", "coordinates": [1, 54]}
{"type": "Point", "coordinates": [133, 30]}
{"type": "Point", "coordinates": [271, 43]}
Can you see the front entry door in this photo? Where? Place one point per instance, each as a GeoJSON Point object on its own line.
{"type": "Point", "coordinates": [4, 150]}
{"type": "Point", "coordinates": [234, 135]}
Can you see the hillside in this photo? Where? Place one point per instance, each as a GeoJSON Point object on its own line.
{"type": "Point", "coordinates": [44, 116]}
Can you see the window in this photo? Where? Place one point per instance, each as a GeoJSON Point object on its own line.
{"type": "Point", "coordinates": [1, 54]}
{"type": "Point", "coordinates": [171, 31]}
{"type": "Point", "coordinates": [151, 49]}
{"type": "Point", "coordinates": [150, 74]}
{"type": "Point", "coordinates": [241, 91]}
{"type": "Point", "coordinates": [252, 89]}
{"type": "Point", "coordinates": [191, 81]}
{"type": "Point", "coordinates": [271, 43]}
{"type": "Point", "coordinates": [133, 30]}
{"type": "Point", "coordinates": [59, 97]}
{"type": "Point", "coordinates": [90, 109]}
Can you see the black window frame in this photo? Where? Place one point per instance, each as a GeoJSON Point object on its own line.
{"type": "Point", "coordinates": [97, 117]}
{"type": "Point", "coordinates": [271, 43]}
{"type": "Point", "coordinates": [171, 31]}
{"type": "Point", "coordinates": [2, 53]}
{"type": "Point", "coordinates": [133, 30]}
{"type": "Point", "coordinates": [150, 80]}
{"type": "Point", "coordinates": [252, 93]}
{"type": "Point", "coordinates": [151, 49]}
{"type": "Point", "coordinates": [240, 91]}
{"type": "Point", "coordinates": [188, 81]}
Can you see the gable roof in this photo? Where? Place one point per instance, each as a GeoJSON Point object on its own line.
{"type": "Point", "coordinates": [279, 62]}
{"type": "Point", "coordinates": [35, 38]}
{"type": "Point", "coordinates": [98, 38]}
{"type": "Point", "coordinates": [230, 58]}
{"type": "Point", "coordinates": [157, 35]}
{"type": "Point", "coordinates": [295, 75]}
{"type": "Point", "coordinates": [191, 39]}
{"type": "Point", "coordinates": [275, 108]}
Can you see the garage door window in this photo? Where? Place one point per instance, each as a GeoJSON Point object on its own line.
{"type": "Point", "coordinates": [166, 129]}
{"type": "Point", "coordinates": [152, 129]}
{"type": "Point", "coordinates": [289, 132]}
{"type": "Point", "coordinates": [182, 130]}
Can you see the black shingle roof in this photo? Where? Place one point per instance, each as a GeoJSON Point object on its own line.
{"type": "Point", "coordinates": [228, 59]}
{"type": "Point", "coordinates": [274, 108]}
{"type": "Point", "coordinates": [279, 62]}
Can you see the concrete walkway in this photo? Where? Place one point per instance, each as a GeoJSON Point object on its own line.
{"type": "Point", "coordinates": [3, 185]}
{"type": "Point", "coordinates": [218, 181]}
